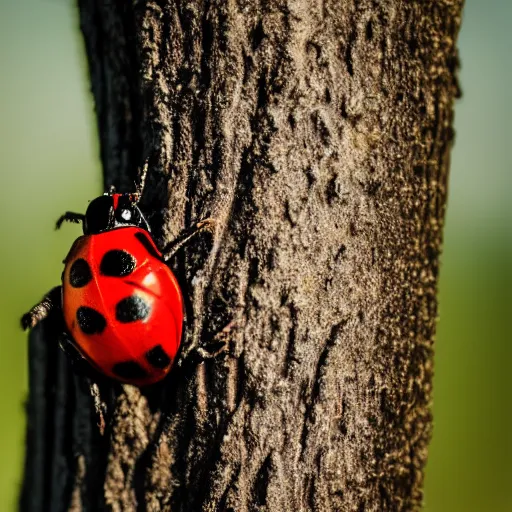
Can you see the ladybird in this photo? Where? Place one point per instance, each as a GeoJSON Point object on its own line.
{"type": "Point", "coordinates": [121, 304]}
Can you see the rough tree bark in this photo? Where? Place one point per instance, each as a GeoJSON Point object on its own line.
{"type": "Point", "coordinates": [318, 135]}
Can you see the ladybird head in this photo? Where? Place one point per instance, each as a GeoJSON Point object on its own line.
{"type": "Point", "coordinates": [112, 211]}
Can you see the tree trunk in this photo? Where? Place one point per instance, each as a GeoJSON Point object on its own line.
{"type": "Point", "coordinates": [317, 134]}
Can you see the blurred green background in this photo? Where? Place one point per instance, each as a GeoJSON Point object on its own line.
{"type": "Point", "coordinates": [49, 164]}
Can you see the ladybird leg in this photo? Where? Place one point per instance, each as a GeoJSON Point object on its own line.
{"type": "Point", "coordinates": [142, 181]}
{"type": "Point", "coordinates": [78, 362]}
{"type": "Point", "coordinates": [200, 354]}
{"type": "Point", "coordinates": [82, 367]}
{"type": "Point", "coordinates": [69, 217]}
{"type": "Point", "coordinates": [170, 250]}
{"type": "Point", "coordinates": [219, 344]}
{"type": "Point", "coordinates": [51, 302]}
{"type": "Point", "coordinates": [213, 349]}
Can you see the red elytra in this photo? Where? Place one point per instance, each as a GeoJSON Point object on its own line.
{"type": "Point", "coordinates": [122, 305]}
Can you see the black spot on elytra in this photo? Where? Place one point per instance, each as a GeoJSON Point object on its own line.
{"type": "Point", "coordinates": [131, 309]}
{"type": "Point", "coordinates": [90, 321]}
{"type": "Point", "coordinates": [146, 242]}
{"type": "Point", "coordinates": [117, 263]}
{"type": "Point", "coordinates": [157, 357]}
{"type": "Point", "coordinates": [129, 370]}
{"type": "Point", "coordinates": [80, 273]}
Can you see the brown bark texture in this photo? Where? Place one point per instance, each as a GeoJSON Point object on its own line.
{"type": "Point", "coordinates": [317, 134]}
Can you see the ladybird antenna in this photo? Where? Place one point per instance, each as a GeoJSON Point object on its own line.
{"type": "Point", "coordinates": [142, 181]}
